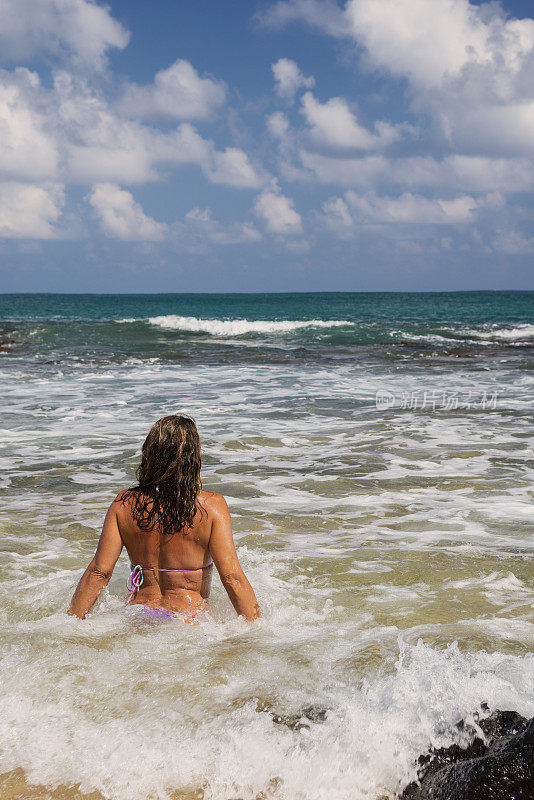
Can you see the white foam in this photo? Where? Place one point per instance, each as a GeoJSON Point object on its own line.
{"type": "Point", "coordinates": [519, 332]}
{"type": "Point", "coordinates": [481, 335]}
{"type": "Point", "coordinates": [239, 327]}
{"type": "Point", "coordinates": [84, 719]}
{"type": "Point", "coordinates": [499, 588]}
{"type": "Point", "coordinates": [427, 337]}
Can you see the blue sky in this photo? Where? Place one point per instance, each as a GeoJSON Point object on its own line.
{"type": "Point", "coordinates": [200, 145]}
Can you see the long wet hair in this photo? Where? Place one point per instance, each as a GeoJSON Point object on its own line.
{"type": "Point", "coordinates": [168, 476]}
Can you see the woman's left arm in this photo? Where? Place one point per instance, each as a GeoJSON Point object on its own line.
{"type": "Point", "coordinates": [99, 571]}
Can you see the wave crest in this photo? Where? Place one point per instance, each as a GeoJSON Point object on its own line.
{"type": "Point", "coordinates": [240, 327]}
{"type": "Point", "coordinates": [519, 332]}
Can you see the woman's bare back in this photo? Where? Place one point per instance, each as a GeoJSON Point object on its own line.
{"type": "Point", "coordinates": [209, 537]}
{"type": "Point", "coordinates": [187, 551]}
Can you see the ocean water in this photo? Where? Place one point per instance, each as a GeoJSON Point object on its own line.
{"type": "Point", "coordinates": [376, 452]}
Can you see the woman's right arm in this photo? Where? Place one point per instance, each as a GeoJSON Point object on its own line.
{"type": "Point", "coordinates": [222, 550]}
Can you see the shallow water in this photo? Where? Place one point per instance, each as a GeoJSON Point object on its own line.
{"type": "Point", "coordinates": [390, 547]}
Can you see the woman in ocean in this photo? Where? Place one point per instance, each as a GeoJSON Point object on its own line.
{"type": "Point", "coordinates": [173, 531]}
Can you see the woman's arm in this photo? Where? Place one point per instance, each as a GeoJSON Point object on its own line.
{"type": "Point", "coordinates": [224, 556]}
{"type": "Point", "coordinates": [99, 571]}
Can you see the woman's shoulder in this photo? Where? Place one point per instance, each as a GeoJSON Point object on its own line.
{"type": "Point", "coordinates": [122, 504]}
{"type": "Point", "coordinates": [213, 502]}
{"type": "Point", "coordinates": [122, 496]}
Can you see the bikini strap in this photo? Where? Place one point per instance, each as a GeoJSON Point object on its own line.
{"type": "Point", "coordinates": [135, 578]}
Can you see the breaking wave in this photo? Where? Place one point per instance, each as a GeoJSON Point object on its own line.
{"type": "Point", "coordinates": [240, 327]}
{"type": "Point", "coordinates": [519, 332]}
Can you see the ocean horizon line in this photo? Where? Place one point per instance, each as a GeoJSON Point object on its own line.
{"type": "Point", "coordinates": [263, 294]}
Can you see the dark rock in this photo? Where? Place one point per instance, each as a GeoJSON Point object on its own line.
{"type": "Point", "coordinates": [499, 768]}
{"type": "Point", "coordinates": [303, 718]}
{"type": "Point", "coordinates": [501, 723]}
{"type": "Point", "coordinates": [296, 721]}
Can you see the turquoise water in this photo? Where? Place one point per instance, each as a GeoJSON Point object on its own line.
{"type": "Point", "coordinates": [276, 327]}
{"type": "Point", "coordinates": [474, 307]}
{"type": "Point", "coordinates": [376, 452]}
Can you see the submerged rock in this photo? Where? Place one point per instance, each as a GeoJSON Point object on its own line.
{"type": "Point", "coordinates": [295, 722]}
{"type": "Point", "coordinates": [501, 768]}
{"type": "Point", "coordinates": [303, 718]}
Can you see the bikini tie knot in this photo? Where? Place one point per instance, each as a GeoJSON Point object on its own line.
{"type": "Point", "coordinates": [135, 578]}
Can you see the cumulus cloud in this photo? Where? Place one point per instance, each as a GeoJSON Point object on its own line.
{"type": "Point", "coordinates": [232, 168]}
{"type": "Point", "coordinates": [73, 133]}
{"type": "Point", "coordinates": [277, 125]}
{"type": "Point", "coordinates": [289, 79]}
{"type": "Point", "coordinates": [120, 215]}
{"type": "Point", "coordinates": [444, 40]}
{"type": "Point", "coordinates": [177, 92]}
{"type": "Point", "coordinates": [28, 211]}
{"type": "Point", "coordinates": [277, 212]}
{"type": "Point", "coordinates": [343, 215]}
{"type": "Point", "coordinates": [468, 66]}
{"type": "Point", "coordinates": [410, 208]}
{"type": "Point", "coordinates": [513, 242]}
{"type": "Point", "coordinates": [336, 215]}
{"type": "Point", "coordinates": [458, 173]}
{"type": "Point", "coordinates": [28, 148]}
{"type": "Point", "coordinates": [323, 14]}
{"type": "Point", "coordinates": [495, 128]}
{"type": "Point", "coordinates": [80, 30]}
{"type": "Point", "coordinates": [333, 124]}
{"type": "Point", "coordinates": [200, 224]}
{"type": "Point", "coordinates": [100, 145]}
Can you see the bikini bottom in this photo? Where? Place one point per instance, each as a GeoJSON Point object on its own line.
{"type": "Point", "coordinates": [152, 613]}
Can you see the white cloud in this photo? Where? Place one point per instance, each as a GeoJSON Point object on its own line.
{"type": "Point", "coordinates": [467, 66]}
{"type": "Point", "coordinates": [333, 124]}
{"type": "Point", "coordinates": [459, 173]}
{"type": "Point", "coordinates": [277, 213]}
{"type": "Point", "coordinates": [323, 14]}
{"type": "Point", "coordinates": [102, 146]}
{"type": "Point", "coordinates": [337, 215]}
{"type": "Point", "coordinates": [411, 208]}
{"type": "Point", "coordinates": [199, 223]}
{"type": "Point", "coordinates": [27, 149]}
{"type": "Point", "coordinates": [344, 171]}
{"type": "Point", "coordinates": [177, 92]}
{"type": "Point", "coordinates": [121, 216]}
{"type": "Point", "coordinates": [432, 42]}
{"type": "Point", "coordinates": [28, 211]}
{"type": "Point", "coordinates": [232, 168]}
{"type": "Point", "coordinates": [72, 132]}
{"type": "Point", "coordinates": [288, 79]}
{"type": "Point", "coordinates": [343, 214]}
{"type": "Point", "coordinates": [495, 128]}
{"type": "Point", "coordinates": [298, 246]}
{"type": "Point", "coordinates": [277, 125]}
{"type": "Point", "coordinates": [513, 242]}
{"type": "Point", "coordinates": [119, 150]}
{"type": "Point", "coordinates": [81, 30]}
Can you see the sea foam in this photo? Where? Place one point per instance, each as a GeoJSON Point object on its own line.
{"type": "Point", "coordinates": [497, 333]}
{"type": "Point", "coordinates": [240, 327]}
